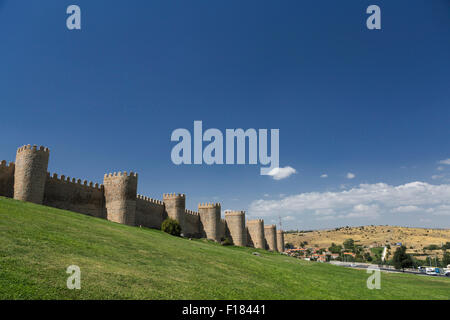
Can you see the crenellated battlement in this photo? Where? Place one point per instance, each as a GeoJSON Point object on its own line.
{"type": "Point", "coordinates": [270, 226]}
{"type": "Point", "coordinates": [173, 195]}
{"type": "Point", "coordinates": [33, 148]}
{"type": "Point", "coordinates": [234, 213]}
{"type": "Point", "coordinates": [82, 183]}
{"type": "Point", "coordinates": [208, 205]}
{"type": "Point", "coordinates": [191, 212]}
{"type": "Point", "coordinates": [141, 197]}
{"type": "Point", "coordinates": [254, 221]}
{"type": "Point", "coordinates": [4, 164]}
{"type": "Point", "coordinates": [114, 175]}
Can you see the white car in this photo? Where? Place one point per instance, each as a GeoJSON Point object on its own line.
{"type": "Point", "coordinates": [431, 271]}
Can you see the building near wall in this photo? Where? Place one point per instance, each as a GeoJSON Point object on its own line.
{"type": "Point", "coordinates": [117, 200]}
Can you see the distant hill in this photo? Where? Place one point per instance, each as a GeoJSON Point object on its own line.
{"type": "Point", "coordinates": [38, 243]}
{"type": "Point", "coordinates": [415, 239]}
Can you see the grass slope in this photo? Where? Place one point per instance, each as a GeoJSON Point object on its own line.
{"type": "Point", "coordinates": [38, 243]}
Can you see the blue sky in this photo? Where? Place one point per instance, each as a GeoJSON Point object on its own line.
{"type": "Point", "coordinates": [346, 100]}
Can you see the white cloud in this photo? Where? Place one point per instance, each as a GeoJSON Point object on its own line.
{"type": "Point", "coordinates": [437, 176]}
{"type": "Point", "coordinates": [281, 173]}
{"type": "Point", "coordinates": [350, 175]}
{"type": "Point", "coordinates": [324, 175]}
{"type": "Point", "coordinates": [446, 161]}
{"type": "Point", "coordinates": [363, 211]}
{"type": "Point", "coordinates": [364, 201]}
{"type": "Point", "coordinates": [325, 218]}
{"type": "Point", "coordinates": [440, 168]}
{"type": "Point", "coordinates": [442, 210]}
{"type": "Point", "coordinates": [405, 209]}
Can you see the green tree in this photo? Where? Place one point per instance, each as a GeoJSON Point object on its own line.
{"type": "Point", "coordinates": [335, 248]}
{"type": "Point", "coordinates": [367, 257]}
{"type": "Point", "coordinates": [289, 245]}
{"type": "Point", "coordinates": [401, 259]}
{"type": "Point", "coordinates": [446, 259]}
{"type": "Point", "coordinates": [349, 244]}
{"type": "Point", "coordinates": [171, 226]}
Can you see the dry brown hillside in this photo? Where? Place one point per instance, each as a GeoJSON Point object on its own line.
{"type": "Point", "coordinates": [415, 239]}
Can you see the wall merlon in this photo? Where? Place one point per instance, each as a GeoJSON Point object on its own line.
{"type": "Point", "coordinates": [148, 199]}
{"type": "Point", "coordinates": [4, 164]}
{"type": "Point", "coordinates": [208, 205]}
{"type": "Point", "coordinates": [234, 213]}
{"type": "Point", "coordinates": [191, 212]}
{"type": "Point", "coordinates": [110, 176]}
{"type": "Point", "coordinates": [34, 148]}
{"type": "Point", "coordinates": [74, 181]}
{"type": "Point", "coordinates": [255, 221]}
{"type": "Point", "coordinates": [173, 195]}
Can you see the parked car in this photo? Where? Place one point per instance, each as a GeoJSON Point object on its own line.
{"type": "Point", "coordinates": [432, 271]}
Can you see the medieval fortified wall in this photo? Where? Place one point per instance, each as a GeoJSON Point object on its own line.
{"type": "Point", "coordinates": [117, 200]}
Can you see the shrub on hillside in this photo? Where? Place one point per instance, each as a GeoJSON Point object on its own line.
{"type": "Point", "coordinates": [171, 226]}
{"type": "Point", "coordinates": [227, 242]}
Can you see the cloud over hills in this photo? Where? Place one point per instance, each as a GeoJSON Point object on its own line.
{"type": "Point", "coordinates": [366, 201]}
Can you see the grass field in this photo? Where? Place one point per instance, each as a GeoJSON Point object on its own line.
{"type": "Point", "coordinates": [38, 243]}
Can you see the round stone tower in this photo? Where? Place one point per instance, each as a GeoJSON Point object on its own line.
{"type": "Point", "coordinates": [256, 232]}
{"type": "Point", "coordinates": [280, 240]}
{"type": "Point", "coordinates": [175, 207]}
{"type": "Point", "coordinates": [210, 220]}
{"type": "Point", "coordinates": [271, 238]}
{"type": "Point", "coordinates": [236, 225]}
{"type": "Point", "coordinates": [120, 197]}
{"type": "Point", "coordinates": [31, 173]}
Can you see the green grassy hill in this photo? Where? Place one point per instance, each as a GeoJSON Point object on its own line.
{"type": "Point", "coordinates": [38, 243]}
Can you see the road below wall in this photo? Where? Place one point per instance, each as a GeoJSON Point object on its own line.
{"type": "Point", "coordinates": [385, 269]}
